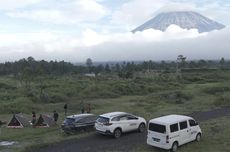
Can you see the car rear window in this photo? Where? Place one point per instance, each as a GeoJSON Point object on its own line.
{"type": "Point", "coordinates": [157, 128]}
{"type": "Point", "coordinates": [87, 119]}
{"type": "Point", "coordinates": [102, 119]}
{"type": "Point", "coordinates": [69, 120]}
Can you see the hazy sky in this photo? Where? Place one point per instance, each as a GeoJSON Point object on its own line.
{"type": "Point", "coordinates": [74, 30]}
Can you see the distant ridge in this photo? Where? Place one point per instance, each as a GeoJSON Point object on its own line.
{"type": "Point", "coordinates": [183, 19]}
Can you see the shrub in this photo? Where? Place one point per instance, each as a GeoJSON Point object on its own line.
{"type": "Point", "coordinates": [6, 86]}
{"type": "Point", "coordinates": [21, 104]}
{"type": "Point", "coordinates": [56, 98]}
{"type": "Point", "coordinates": [99, 91]}
{"type": "Point", "coordinates": [172, 96]}
{"type": "Point", "coordinates": [216, 89]}
{"type": "Point", "coordinates": [222, 100]}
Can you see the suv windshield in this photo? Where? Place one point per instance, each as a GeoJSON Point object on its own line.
{"type": "Point", "coordinates": [157, 128]}
{"type": "Point", "coordinates": [102, 119]}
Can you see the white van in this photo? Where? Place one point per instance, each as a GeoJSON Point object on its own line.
{"type": "Point", "coordinates": [169, 132]}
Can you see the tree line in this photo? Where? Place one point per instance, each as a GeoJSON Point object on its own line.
{"type": "Point", "coordinates": [30, 66]}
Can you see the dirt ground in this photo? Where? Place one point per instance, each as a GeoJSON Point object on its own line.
{"type": "Point", "coordinates": [127, 143]}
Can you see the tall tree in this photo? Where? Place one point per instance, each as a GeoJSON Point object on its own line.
{"type": "Point", "coordinates": [89, 64]}
{"type": "Point", "coordinates": [222, 63]}
{"type": "Point", "coordinates": [181, 61]}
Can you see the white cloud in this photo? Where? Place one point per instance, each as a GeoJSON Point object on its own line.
{"type": "Point", "coordinates": [64, 12]}
{"type": "Point", "coordinates": [15, 4]}
{"type": "Point", "coordinates": [136, 12]}
{"type": "Point", "coordinates": [143, 47]}
{"type": "Point", "coordinates": [174, 6]}
{"type": "Point", "coordinates": [7, 39]}
{"type": "Point", "coordinates": [146, 45]}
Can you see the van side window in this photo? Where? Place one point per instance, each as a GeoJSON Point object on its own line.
{"type": "Point", "coordinates": [174, 127]}
{"type": "Point", "coordinates": [183, 125]}
{"type": "Point", "coordinates": [192, 123]}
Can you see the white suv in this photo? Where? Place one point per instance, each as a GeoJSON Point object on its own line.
{"type": "Point", "coordinates": [116, 123]}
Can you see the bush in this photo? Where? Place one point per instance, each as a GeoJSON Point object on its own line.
{"type": "Point", "coordinates": [7, 96]}
{"type": "Point", "coordinates": [222, 101]}
{"type": "Point", "coordinates": [216, 89]}
{"type": "Point", "coordinates": [56, 98]}
{"type": "Point", "coordinates": [98, 91]}
{"type": "Point", "coordinates": [21, 104]}
{"type": "Point", "coordinates": [177, 97]}
{"type": "Point", "coordinates": [6, 86]}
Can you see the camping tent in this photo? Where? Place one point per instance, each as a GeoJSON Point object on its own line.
{"type": "Point", "coordinates": [18, 121]}
{"type": "Point", "coordinates": [44, 121]}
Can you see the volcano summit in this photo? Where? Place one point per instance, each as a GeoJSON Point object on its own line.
{"type": "Point", "coordinates": [183, 19]}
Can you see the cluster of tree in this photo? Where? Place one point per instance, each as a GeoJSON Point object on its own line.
{"type": "Point", "coordinates": [30, 66]}
{"type": "Point", "coordinates": [33, 67]}
{"type": "Point", "coordinates": [127, 69]}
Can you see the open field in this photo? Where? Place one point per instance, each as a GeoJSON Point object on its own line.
{"type": "Point", "coordinates": [148, 97]}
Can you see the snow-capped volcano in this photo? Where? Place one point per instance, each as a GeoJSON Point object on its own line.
{"type": "Point", "coordinates": [184, 19]}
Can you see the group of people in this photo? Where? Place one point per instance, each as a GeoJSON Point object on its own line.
{"type": "Point", "coordinates": [84, 109]}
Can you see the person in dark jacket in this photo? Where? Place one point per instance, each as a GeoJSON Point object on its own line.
{"type": "Point", "coordinates": [65, 108]}
{"type": "Point", "coordinates": [88, 108]}
{"type": "Point", "coordinates": [33, 118]}
{"type": "Point", "coordinates": [82, 109]}
{"type": "Point", "coordinates": [55, 116]}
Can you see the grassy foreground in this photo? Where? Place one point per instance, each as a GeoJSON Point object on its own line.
{"type": "Point", "coordinates": [149, 97]}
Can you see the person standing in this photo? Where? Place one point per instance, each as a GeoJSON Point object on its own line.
{"type": "Point", "coordinates": [55, 116]}
{"type": "Point", "coordinates": [83, 109]}
{"type": "Point", "coordinates": [88, 108]}
{"type": "Point", "coordinates": [33, 118]}
{"type": "Point", "coordinates": [65, 108]}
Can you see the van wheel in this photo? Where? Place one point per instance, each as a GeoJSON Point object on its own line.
{"type": "Point", "coordinates": [174, 147]}
{"type": "Point", "coordinates": [141, 127]}
{"type": "Point", "coordinates": [117, 133]}
{"type": "Point", "coordinates": [198, 137]}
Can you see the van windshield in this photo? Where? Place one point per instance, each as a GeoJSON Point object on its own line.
{"type": "Point", "coordinates": [157, 128]}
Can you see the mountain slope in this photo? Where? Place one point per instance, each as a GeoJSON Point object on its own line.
{"type": "Point", "coordinates": [184, 19]}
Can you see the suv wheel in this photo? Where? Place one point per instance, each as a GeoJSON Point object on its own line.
{"type": "Point", "coordinates": [141, 127]}
{"type": "Point", "coordinates": [117, 133]}
{"type": "Point", "coordinates": [174, 147]}
{"type": "Point", "coordinates": [198, 137]}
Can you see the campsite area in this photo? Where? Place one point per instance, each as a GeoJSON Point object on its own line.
{"type": "Point", "coordinates": [149, 95]}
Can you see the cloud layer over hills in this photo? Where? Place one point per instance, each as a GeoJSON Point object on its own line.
{"type": "Point", "coordinates": [146, 45]}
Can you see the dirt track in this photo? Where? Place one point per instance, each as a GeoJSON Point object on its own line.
{"type": "Point", "coordinates": [127, 143]}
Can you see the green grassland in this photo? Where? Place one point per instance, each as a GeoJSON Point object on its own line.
{"type": "Point", "coordinates": [148, 96]}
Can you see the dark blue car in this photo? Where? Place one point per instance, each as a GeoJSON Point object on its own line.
{"type": "Point", "coordinates": [77, 123]}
